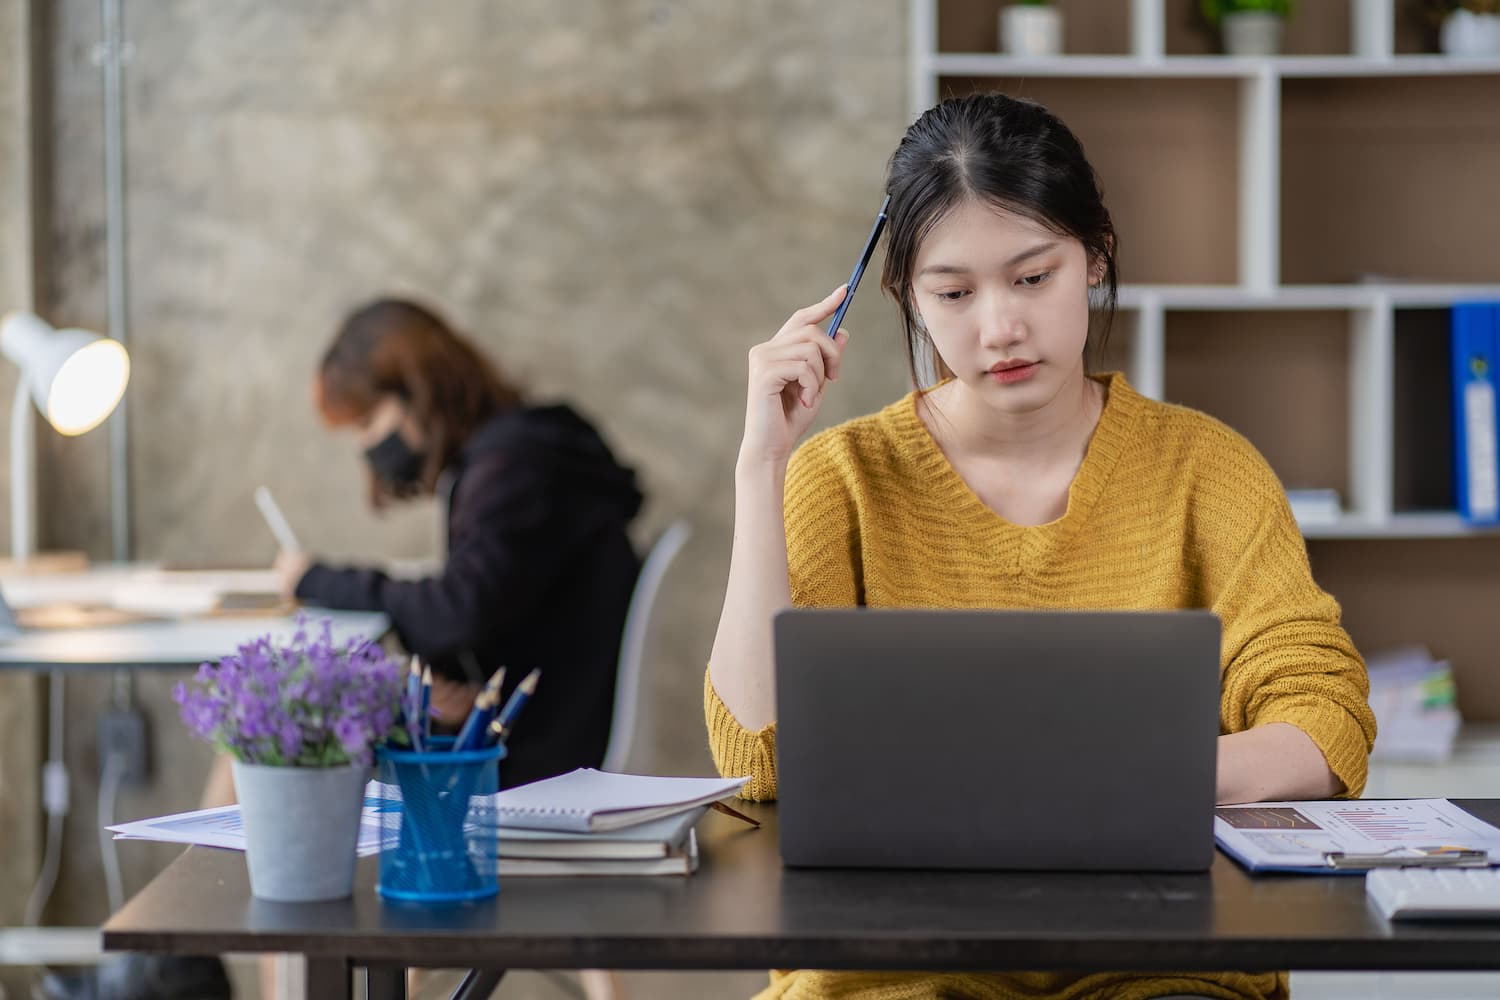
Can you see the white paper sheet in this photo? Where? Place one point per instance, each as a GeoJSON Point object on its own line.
{"type": "Point", "coordinates": [1268, 835]}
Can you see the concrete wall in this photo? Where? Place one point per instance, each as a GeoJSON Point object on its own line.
{"type": "Point", "coordinates": [20, 759]}
{"type": "Point", "coordinates": [617, 198]}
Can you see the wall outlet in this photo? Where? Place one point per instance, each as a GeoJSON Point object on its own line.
{"type": "Point", "coordinates": [122, 732]}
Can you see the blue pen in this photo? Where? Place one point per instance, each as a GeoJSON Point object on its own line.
{"type": "Point", "coordinates": [471, 736]}
{"type": "Point", "coordinates": [426, 702]}
{"type": "Point", "coordinates": [411, 705]}
{"type": "Point", "coordinates": [500, 729]}
{"type": "Point", "coordinates": [859, 269]}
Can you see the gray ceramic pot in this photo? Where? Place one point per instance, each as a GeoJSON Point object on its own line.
{"type": "Point", "coordinates": [1253, 33]}
{"type": "Point", "coordinates": [301, 826]}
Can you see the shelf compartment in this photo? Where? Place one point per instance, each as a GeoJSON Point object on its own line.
{"type": "Point", "coordinates": [1088, 26]}
{"type": "Point", "coordinates": [1232, 364]}
{"type": "Point", "coordinates": [1168, 157]}
{"type": "Point", "coordinates": [1317, 28]}
{"type": "Point", "coordinates": [1422, 415]}
{"type": "Point", "coordinates": [1422, 588]}
{"type": "Point", "coordinates": [1364, 158]}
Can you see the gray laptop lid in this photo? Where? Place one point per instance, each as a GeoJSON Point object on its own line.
{"type": "Point", "coordinates": [997, 739]}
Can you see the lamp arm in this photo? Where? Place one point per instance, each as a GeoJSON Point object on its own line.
{"type": "Point", "coordinates": [22, 472]}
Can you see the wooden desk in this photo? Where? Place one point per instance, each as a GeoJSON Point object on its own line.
{"type": "Point", "coordinates": [743, 910]}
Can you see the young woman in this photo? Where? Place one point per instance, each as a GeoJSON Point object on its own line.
{"type": "Point", "coordinates": [1020, 480]}
{"type": "Point", "coordinates": [539, 568]}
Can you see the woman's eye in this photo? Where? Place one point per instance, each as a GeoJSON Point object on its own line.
{"type": "Point", "coordinates": [950, 296]}
{"type": "Point", "coordinates": [1033, 280]}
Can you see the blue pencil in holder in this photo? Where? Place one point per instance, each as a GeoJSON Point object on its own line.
{"type": "Point", "coordinates": [444, 830]}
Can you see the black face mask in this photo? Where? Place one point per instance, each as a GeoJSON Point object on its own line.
{"type": "Point", "coordinates": [394, 462]}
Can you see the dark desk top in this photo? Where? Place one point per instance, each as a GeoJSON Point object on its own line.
{"type": "Point", "coordinates": [743, 910]}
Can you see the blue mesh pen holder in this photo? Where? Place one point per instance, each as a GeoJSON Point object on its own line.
{"type": "Point", "coordinates": [441, 839]}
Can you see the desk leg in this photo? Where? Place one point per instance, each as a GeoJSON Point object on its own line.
{"type": "Point", "coordinates": [385, 982]}
{"type": "Point", "coordinates": [478, 984]}
{"type": "Point", "coordinates": [328, 977]}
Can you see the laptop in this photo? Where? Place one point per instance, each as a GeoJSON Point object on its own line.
{"type": "Point", "coordinates": [1042, 740]}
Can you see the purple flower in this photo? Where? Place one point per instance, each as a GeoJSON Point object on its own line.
{"type": "Point", "coordinates": [309, 703]}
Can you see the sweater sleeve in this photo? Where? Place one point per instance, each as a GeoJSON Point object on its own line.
{"type": "Point", "coordinates": [1286, 657]}
{"type": "Point", "coordinates": [822, 564]}
{"type": "Point", "coordinates": [505, 548]}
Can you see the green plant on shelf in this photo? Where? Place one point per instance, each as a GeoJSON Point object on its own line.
{"type": "Point", "coordinates": [1214, 11]}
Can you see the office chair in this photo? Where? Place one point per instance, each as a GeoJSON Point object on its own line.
{"type": "Point", "coordinates": [626, 717]}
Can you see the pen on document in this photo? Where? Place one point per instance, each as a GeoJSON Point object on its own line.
{"type": "Point", "coordinates": [471, 736]}
{"type": "Point", "coordinates": [859, 268]}
{"type": "Point", "coordinates": [276, 520]}
{"type": "Point", "coordinates": [501, 728]}
{"type": "Point", "coordinates": [1401, 857]}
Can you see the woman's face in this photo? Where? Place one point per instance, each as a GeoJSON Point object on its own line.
{"type": "Point", "coordinates": [1005, 301]}
{"type": "Point", "coordinates": [390, 414]}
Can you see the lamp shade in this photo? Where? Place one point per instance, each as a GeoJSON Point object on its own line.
{"type": "Point", "coordinates": [76, 377]}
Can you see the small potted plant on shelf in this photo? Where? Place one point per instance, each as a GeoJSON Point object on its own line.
{"type": "Point", "coordinates": [301, 719]}
{"type": "Point", "coordinates": [1248, 27]}
{"type": "Point", "coordinates": [1466, 28]}
{"type": "Point", "coordinates": [1030, 28]}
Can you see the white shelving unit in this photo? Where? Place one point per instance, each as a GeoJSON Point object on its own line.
{"type": "Point", "coordinates": [1371, 308]}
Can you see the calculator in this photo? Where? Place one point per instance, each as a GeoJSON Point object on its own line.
{"type": "Point", "coordinates": [1435, 893]}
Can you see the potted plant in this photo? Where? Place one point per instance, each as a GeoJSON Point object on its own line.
{"type": "Point", "coordinates": [301, 720]}
{"type": "Point", "coordinates": [1248, 27]}
{"type": "Point", "coordinates": [1466, 28]}
{"type": "Point", "coordinates": [1030, 28]}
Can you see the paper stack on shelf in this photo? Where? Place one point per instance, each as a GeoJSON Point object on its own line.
{"type": "Point", "coordinates": [1413, 698]}
{"type": "Point", "coordinates": [1315, 506]}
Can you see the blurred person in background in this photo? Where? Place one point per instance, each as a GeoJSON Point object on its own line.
{"type": "Point", "coordinates": [538, 572]}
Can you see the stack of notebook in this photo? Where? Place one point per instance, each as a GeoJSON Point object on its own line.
{"type": "Point", "coordinates": [666, 846]}
{"type": "Point", "coordinates": [589, 822]}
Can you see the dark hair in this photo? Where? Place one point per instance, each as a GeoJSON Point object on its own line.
{"type": "Point", "coordinates": [1012, 153]}
{"type": "Point", "coordinates": [396, 347]}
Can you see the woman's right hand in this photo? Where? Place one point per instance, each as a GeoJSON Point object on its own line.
{"type": "Point", "coordinates": [788, 374]}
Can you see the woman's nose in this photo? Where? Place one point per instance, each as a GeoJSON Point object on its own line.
{"type": "Point", "coordinates": [1000, 323]}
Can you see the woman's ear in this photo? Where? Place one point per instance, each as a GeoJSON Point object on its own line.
{"type": "Point", "coordinates": [1098, 269]}
{"type": "Point", "coordinates": [1099, 263]}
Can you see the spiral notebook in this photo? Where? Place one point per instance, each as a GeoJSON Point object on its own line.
{"type": "Point", "coordinates": [588, 801]}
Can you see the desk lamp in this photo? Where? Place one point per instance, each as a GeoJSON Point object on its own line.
{"type": "Point", "coordinates": [75, 377]}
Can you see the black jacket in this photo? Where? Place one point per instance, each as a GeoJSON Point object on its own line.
{"type": "Point", "coordinates": [539, 574]}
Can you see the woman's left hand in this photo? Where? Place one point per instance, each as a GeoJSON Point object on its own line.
{"type": "Point", "coordinates": [290, 566]}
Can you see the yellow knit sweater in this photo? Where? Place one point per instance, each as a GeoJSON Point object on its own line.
{"type": "Point", "coordinates": [1170, 509]}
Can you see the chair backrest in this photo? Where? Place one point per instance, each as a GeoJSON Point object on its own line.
{"type": "Point", "coordinates": [626, 718]}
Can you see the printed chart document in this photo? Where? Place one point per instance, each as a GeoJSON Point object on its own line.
{"type": "Point", "coordinates": [1300, 836]}
{"type": "Point", "coordinates": [222, 827]}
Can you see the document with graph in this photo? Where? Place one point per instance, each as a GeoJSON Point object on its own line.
{"type": "Point", "coordinates": [1350, 835]}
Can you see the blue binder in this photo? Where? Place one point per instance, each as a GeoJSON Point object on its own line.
{"type": "Point", "coordinates": [1475, 340]}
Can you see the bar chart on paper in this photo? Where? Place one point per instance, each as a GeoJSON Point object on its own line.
{"type": "Point", "coordinates": [1394, 821]}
